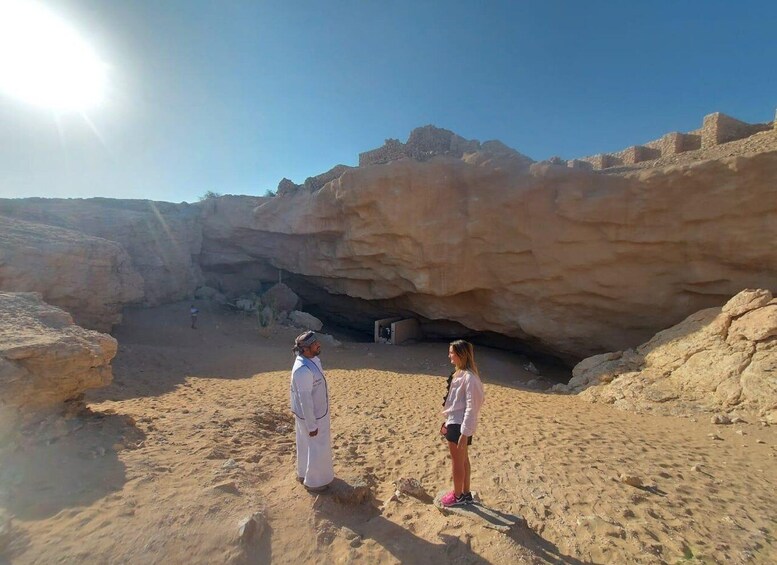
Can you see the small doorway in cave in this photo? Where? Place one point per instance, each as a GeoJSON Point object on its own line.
{"type": "Point", "coordinates": [394, 331]}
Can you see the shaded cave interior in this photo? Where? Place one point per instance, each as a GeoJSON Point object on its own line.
{"type": "Point", "coordinates": [353, 319]}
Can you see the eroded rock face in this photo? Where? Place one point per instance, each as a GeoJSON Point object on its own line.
{"type": "Point", "coordinates": [230, 238]}
{"type": "Point", "coordinates": [45, 358]}
{"type": "Point", "coordinates": [716, 359]}
{"type": "Point", "coordinates": [468, 236]}
{"type": "Point", "coordinates": [568, 260]}
{"type": "Point", "coordinates": [90, 277]}
{"type": "Point", "coordinates": [163, 240]}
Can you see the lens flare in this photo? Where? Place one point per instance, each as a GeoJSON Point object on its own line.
{"type": "Point", "coordinates": [43, 60]}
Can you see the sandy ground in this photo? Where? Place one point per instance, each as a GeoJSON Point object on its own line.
{"type": "Point", "coordinates": [194, 435]}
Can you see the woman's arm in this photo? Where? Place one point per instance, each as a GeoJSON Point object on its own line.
{"type": "Point", "coordinates": [474, 396]}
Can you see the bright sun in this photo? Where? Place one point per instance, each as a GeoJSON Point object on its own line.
{"type": "Point", "coordinates": [43, 61]}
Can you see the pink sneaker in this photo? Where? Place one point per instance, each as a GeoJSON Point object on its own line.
{"type": "Point", "coordinates": [451, 499]}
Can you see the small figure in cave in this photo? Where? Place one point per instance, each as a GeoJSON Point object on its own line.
{"type": "Point", "coordinates": [193, 311]}
{"type": "Point", "coordinates": [386, 334]}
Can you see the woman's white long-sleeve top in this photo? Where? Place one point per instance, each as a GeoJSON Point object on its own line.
{"type": "Point", "coordinates": [464, 401]}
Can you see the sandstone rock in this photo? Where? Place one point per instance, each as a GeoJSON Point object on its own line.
{"type": "Point", "coordinates": [351, 492]}
{"type": "Point", "coordinates": [329, 340]}
{"type": "Point", "coordinates": [707, 362]}
{"type": "Point", "coordinates": [252, 527]}
{"type": "Point", "coordinates": [642, 258]}
{"type": "Point", "coordinates": [631, 480]}
{"type": "Point", "coordinates": [721, 419]}
{"type": "Point", "coordinates": [570, 261]}
{"type": "Point", "coordinates": [286, 186]}
{"type": "Point", "coordinates": [412, 487]}
{"type": "Point", "coordinates": [748, 299]}
{"type": "Point", "coordinates": [266, 317]}
{"type": "Point", "coordinates": [305, 321]}
{"type": "Point", "coordinates": [227, 486]}
{"type": "Point", "coordinates": [280, 297]}
{"type": "Point", "coordinates": [205, 292]}
{"type": "Point", "coordinates": [349, 534]}
{"type": "Point", "coordinates": [160, 238]}
{"type": "Point", "coordinates": [248, 304]}
{"type": "Point", "coordinates": [45, 359]}
{"type": "Point", "coordinates": [6, 530]}
{"type": "Point", "coordinates": [91, 278]}
{"type": "Point", "coordinates": [531, 368]}
{"type": "Point", "coordinates": [757, 325]}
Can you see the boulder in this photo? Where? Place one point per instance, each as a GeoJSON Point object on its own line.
{"type": "Point", "coordinates": [90, 277]}
{"type": "Point", "coordinates": [280, 298]}
{"type": "Point", "coordinates": [248, 304]}
{"type": "Point", "coordinates": [305, 321]}
{"type": "Point", "coordinates": [205, 292]}
{"type": "Point", "coordinates": [353, 491]}
{"type": "Point", "coordinates": [717, 360]}
{"type": "Point", "coordinates": [252, 527]}
{"type": "Point", "coordinates": [45, 359]}
{"type": "Point", "coordinates": [330, 340]}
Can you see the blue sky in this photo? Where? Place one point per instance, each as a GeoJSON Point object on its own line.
{"type": "Point", "coordinates": [232, 96]}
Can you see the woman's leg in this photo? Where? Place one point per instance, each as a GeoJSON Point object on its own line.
{"type": "Point", "coordinates": [458, 471]}
{"type": "Point", "coordinates": [466, 486]}
{"type": "Point", "coordinates": [458, 460]}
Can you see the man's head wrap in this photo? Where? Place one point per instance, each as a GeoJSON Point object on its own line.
{"type": "Point", "coordinates": [306, 340]}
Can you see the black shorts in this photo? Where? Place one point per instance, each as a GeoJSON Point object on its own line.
{"type": "Point", "coordinates": [453, 434]}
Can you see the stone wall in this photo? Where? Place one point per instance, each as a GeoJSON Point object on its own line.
{"type": "Point", "coordinates": [716, 129]}
{"type": "Point", "coordinates": [311, 184]}
{"type": "Point", "coordinates": [675, 142]}
{"type": "Point", "coordinates": [392, 150]}
{"type": "Point", "coordinates": [637, 154]}
{"type": "Point", "coordinates": [719, 128]}
{"type": "Point", "coordinates": [314, 183]}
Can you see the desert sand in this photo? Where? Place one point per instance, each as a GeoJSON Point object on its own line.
{"type": "Point", "coordinates": [194, 435]}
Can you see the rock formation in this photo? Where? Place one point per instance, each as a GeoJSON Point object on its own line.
{"type": "Point", "coordinates": [470, 237]}
{"type": "Point", "coordinates": [567, 260]}
{"type": "Point", "coordinates": [162, 239]}
{"type": "Point", "coordinates": [229, 237]}
{"type": "Point", "coordinates": [90, 277]}
{"type": "Point", "coordinates": [45, 358]}
{"type": "Point", "coordinates": [716, 359]}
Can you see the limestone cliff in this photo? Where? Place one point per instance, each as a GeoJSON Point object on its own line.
{"type": "Point", "coordinates": [568, 260]}
{"type": "Point", "coordinates": [90, 277]}
{"type": "Point", "coordinates": [162, 239]}
{"type": "Point", "coordinates": [468, 237]}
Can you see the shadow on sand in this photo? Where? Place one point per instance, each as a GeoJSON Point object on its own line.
{"type": "Point", "coordinates": [408, 548]}
{"type": "Point", "coordinates": [72, 463]}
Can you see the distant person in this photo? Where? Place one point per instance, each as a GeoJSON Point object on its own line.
{"type": "Point", "coordinates": [310, 405]}
{"type": "Point", "coordinates": [193, 313]}
{"type": "Point", "coordinates": [461, 409]}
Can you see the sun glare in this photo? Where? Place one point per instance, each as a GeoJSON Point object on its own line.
{"type": "Point", "coordinates": [43, 61]}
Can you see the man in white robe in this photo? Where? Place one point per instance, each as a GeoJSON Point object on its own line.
{"type": "Point", "coordinates": [310, 405]}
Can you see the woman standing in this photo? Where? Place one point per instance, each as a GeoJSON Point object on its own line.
{"type": "Point", "coordinates": [461, 409]}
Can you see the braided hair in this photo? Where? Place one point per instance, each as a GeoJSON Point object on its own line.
{"type": "Point", "coordinates": [448, 387]}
